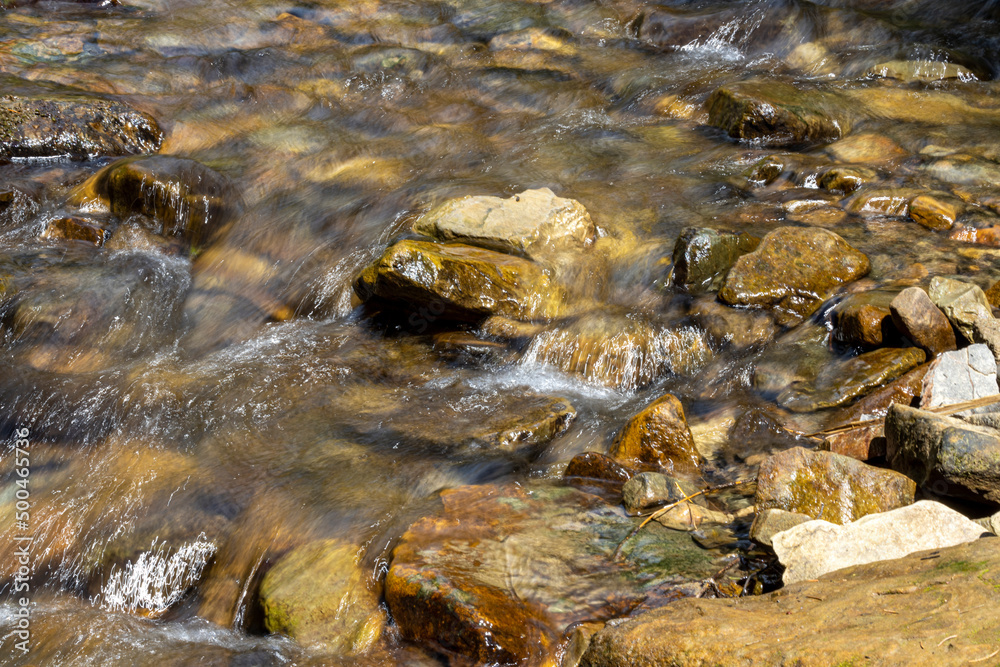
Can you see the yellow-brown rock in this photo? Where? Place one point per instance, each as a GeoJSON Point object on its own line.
{"type": "Point", "coordinates": [658, 438]}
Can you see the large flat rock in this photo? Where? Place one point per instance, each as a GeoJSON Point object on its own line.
{"type": "Point", "coordinates": [930, 608]}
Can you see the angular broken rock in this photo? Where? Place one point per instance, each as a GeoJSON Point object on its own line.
{"type": "Point", "coordinates": [793, 271]}
{"type": "Point", "coordinates": [959, 376]}
{"type": "Point", "coordinates": [945, 455]}
{"type": "Point", "coordinates": [810, 550]}
{"type": "Point", "coordinates": [969, 311]}
{"type": "Point", "coordinates": [917, 318]}
{"type": "Point", "coordinates": [531, 223]}
{"type": "Point", "coordinates": [658, 438]}
{"type": "Point", "coordinates": [702, 256]}
{"type": "Point", "coordinates": [829, 486]}
{"type": "Point", "coordinates": [771, 522]}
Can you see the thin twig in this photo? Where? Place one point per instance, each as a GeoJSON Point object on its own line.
{"type": "Point", "coordinates": [944, 410]}
{"type": "Point", "coordinates": [986, 657]}
{"type": "Point", "coordinates": [666, 508]}
{"type": "Point", "coordinates": [946, 639]}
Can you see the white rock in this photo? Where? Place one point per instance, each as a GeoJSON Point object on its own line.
{"type": "Point", "coordinates": [813, 548]}
{"type": "Point", "coordinates": [962, 375]}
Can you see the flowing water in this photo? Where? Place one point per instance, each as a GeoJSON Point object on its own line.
{"type": "Point", "coordinates": [192, 416]}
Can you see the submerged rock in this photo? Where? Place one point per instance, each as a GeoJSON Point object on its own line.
{"type": "Point", "coordinates": [842, 381]}
{"type": "Point", "coordinates": [842, 618]}
{"type": "Point", "coordinates": [810, 550]}
{"type": "Point", "coordinates": [936, 212]}
{"type": "Point", "coordinates": [793, 271]}
{"type": "Point", "coordinates": [74, 126]}
{"type": "Point", "coordinates": [923, 71]}
{"type": "Point", "coordinates": [319, 596]}
{"type": "Point", "coordinates": [702, 256]}
{"type": "Point", "coordinates": [619, 351]}
{"type": "Point", "coordinates": [460, 282]}
{"type": "Point", "coordinates": [948, 456]}
{"type": "Point", "coordinates": [779, 114]}
{"type": "Point", "coordinates": [503, 571]}
{"type": "Point", "coordinates": [732, 326]}
{"type": "Point", "coordinates": [866, 148]}
{"type": "Point", "coordinates": [593, 465]}
{"type": "Point", "coordinates": [917, 318]}
{"type": "Point", "coordinates": [658, 438]}
{"type": "Point", "coordinates": [532, 224]}
{"type": "Point", "coordinates": [828, 486]}
{"type": "Point", "coordinates": [178, 197]}
{"type": "Point", "coordinates": [648, 489]}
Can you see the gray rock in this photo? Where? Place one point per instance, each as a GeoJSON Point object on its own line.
{"type": "Point", "coordinates": [991, 523]}
{"type": "Point", "coordinates": [769, 523]}
{"type": "Point", "coordinates": [969, 311]}
{"type": "Point", "coordinates": [961, 375]}
{"type": "Point", "coordinates": [814, 548]}
{"type": "Point", "coordinates": [652, 488]}
{"type": "Point", "coordinates": [533, 222]}
{"type": "Point", "coordinates": [948, 456]}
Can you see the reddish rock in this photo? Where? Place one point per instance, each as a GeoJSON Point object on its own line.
{"type": "Point", "coordinates": [864, 324]}
{"type": "Point", "coordinates": [77, 229]}
{"type": "Point", "coordinates": [658, 438]}
{"type": "Point", "coordinates": [917, 318]}
{"type": "Point", "coordinates": [594, 465]}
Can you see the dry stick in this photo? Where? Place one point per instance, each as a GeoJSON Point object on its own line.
{"type": "Point", "coordinates": [666, 508]}
{"type": "Point", "coordinates": [986, 657]}
{"type": "Point", "coordinates": [945, 410]}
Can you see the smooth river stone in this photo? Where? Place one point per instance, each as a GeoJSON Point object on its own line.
{"type": "Point", "coordinates": [917, 318]}
{"type": "Point", "coordinates": [702, 256]}
{"type": "Point", "coordinates": [658, 438]}
{"type": "Point", "coordinates": [844, 380]}
{"type": "Point", "coordinates": [793, 271]}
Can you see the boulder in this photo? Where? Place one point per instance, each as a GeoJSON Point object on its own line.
{"type": "Point", "coordinates": [793, 271]}
{"type": "Point", "coordinates": [917, 318]}
{"type": "Point", "coordinates": [946, 600]}
{"type": "Point", "coordinates": [75, 126]}
{"type": "Point", "coordinates": [461, 282]}
{"type": "Point", "coordinates": [702, 256]}
{"type": "Point", "coordinates": [968, 310]}
{"type": "Point", "coordinates": [501, 572]}
{"type": "Point", "coordinates": [531, 224]}
{"type": "Point", "coordinates": [828, 486]}
{"type": "Point", "coordinates": [959, 376]}
{"type": "Point", "coordinates": [769, 523]}
{"type": "Point", "coordinates": [946, 455]}
{"type": "Point", "coordinates": [318, 595]}
{"type": "Point", "coordinates": [176, 197]}
{"type": "Point", "coordinates": [658, 438]}
{"type": "Point", "coordinates": [779, 114]}
{"type": "Point", "coordinates": [844, 380]}
{"type": "Point", "coordinates": [813, 548]}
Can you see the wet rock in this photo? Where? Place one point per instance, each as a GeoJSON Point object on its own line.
{"type": "Point", "coordinates": [460, 282]}
{"type": "Point", "coordinates": [828, 486]}
{"type": "Point", "coordinates": [75, 228]}
{"type": "Point", "coordinates": [619, 351]}
{"type": "Point", "coordinates": [16, 206]}
{"type": "Point", "coordinates": [319, 596]}
{"type": "Point", "coordinates": [847, 179]}
{"type": "Point", "coordinates": [781, 628]}
{"type": "Point", "coordinates": [733, 326]}
{"type": "Point", "coordinates": [844, 380]}
{"type": "Point", "coordinates": [923, 71]}
{"type": "Point", "coordinates": [658, 438]}
{"type": "Point", "coordinates": [532, 224]}
{"type": "Point", "coordinates": [948, 456]}
{"type": "Point", "coordinates": [968, 310]}
{"type": "Point", "coordinates": [648, 489]}
{"type": "Point", "coordinates": [796, 357]}
{"type": "Point", "coordinates": [867, 441]}
{"type": "Point", "coordinates": [500, 573]}
{"type": "Point", "coordinates": [177, 197]}
{"type": "Point", "coordinates": [778, 114]}
{"type": "Point", "coordinates": [936, 212]}
{"type": "Point", "coordinates": [864, 320]}
{"type": "Point", "coordinates": [865, 148]}
{"type": "Point", "coordinates": [769, 523]}
{"type": "Point", "coordinates": [814, 548]}
{"type": "Point", "coordinates": [917, 318]}
{"type": "Point", "coordinates": [958, 376]}
{"type": "Point", "coordinates": [594, 465]}
{"type": "Point", "coordinates": [880, 202]}
{"type": "Point", "coordinates": [793, 271]}
{"type": "Point", "coordinates": [964, 170]}
{"type": "Point", "coordinates": [74, 126]}
{"type": "Point", "coordinates": [702, 256]}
